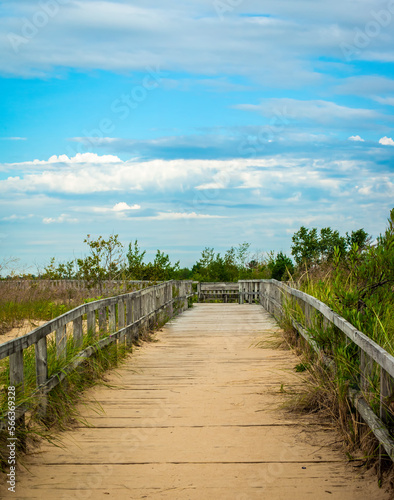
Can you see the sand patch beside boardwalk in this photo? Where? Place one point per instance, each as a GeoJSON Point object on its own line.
{"type": "Point", "coordinates": [197, 416]}
{"type": "Point", "coordinates": [26, 327]}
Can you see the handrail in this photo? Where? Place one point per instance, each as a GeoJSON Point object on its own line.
{"type": "Point", "coordinates": [121, 317]}
{"type": "Point", "coordinates": [273, 295]}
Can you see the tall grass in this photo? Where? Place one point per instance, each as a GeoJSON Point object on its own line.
{"type": "Point", "coordinates": [64, 401]}
{"type": "Point", "coordinates": [343, 290]}
{"type": "Point", "coordinates": [34, 300]}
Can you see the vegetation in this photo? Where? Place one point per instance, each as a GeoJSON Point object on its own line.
{"type": "Point", "coordinates": [351, 274]}
{"type": "Point", "coordinates": [355, 278]}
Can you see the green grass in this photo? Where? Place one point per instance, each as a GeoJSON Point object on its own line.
{"type": "Point", "coordinates": [326, 389]}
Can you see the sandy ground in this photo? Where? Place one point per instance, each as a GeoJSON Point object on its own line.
{"type": "Point", "coordinates": [25, 328]}
{"type": "Point", "coordinates": [198, 416]}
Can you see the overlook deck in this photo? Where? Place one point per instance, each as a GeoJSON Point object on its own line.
{"type": "Point", "coordinates": [197, 415]}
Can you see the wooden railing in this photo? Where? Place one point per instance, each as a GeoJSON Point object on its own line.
{"type": "Point", "coordinates": [106, 287]}
{"type": "Point", "coordinates": [226, 292]}
{"type": "Point", "coordinates": [116, 319]}
{"type": "Point", "coordinates": [308, 313]}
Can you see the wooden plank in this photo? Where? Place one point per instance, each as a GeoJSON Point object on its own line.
{"type": "Point", "coordinates": [41, 361]}
{"type": "Point", "coordinates": [8, 348]}
{"type": "Point", "coordinates": [386, 394]}
{"type": "Point", "coordinates": [78, 332]}
{"type": "Point", "coordinates": [366, 365]}
{"type": "Point", "coordinates": [17, 381]}
{"type": "Point", "coordinates": [102, 320]}
{"type": "Point", "coordinates": [121, 314]}
{"type": "Point", "coordinates": [61, 342]}
{"type": "Point", "coordinates": [129, 312]}
{"type": "Point", "coordinates": [91, 323]}
{"type": "Point", "coordinates": [16, 370]}
{"type": "Point", "coordinates": [42, 374]}
{"type": "Point", "coordinates": [374, 423]}
{"type": "Point", "coordinates": [377, 353]}
{"type": "Point", "coordinates": [112, 318]}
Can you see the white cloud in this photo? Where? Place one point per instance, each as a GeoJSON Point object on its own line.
{"type": "Point", "coordinates": [385, 100]}
{"type": "Point", "coordinates": [13, 138]}
{"type": "Point", "coordinates": [277, 173]}
{"type": "Point", "coordinates": [148, 34]}
{"type": "Point", "coordinates": [14, 217]}
{"type": "Point", "coordinates": [284, 111]}
{"type": "Point", "coordinates": [119, 208]}
{"type": "Point", "coordinates": [185, 215]}
{"type": "Point", "coordinates": [59, 220]}
{"type": "Point", "coordinates": [356, 138]}
{"type": "Point", "coordinates": [80, 158]}
{"type": "Point", "coordinates": [386, 141]}
{"type": "Point", "coordinates": [122, 206]}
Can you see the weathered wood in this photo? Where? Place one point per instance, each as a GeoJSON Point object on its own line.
{"type": "Point", "coordinates": [129, 312]}
{"type": "Point", "coordinates": [8, 348]}
{"type": "Point", "coordinates": [366, 365]}
{"type": "Point", "coordinates": [16, 370]}
{"type": "Point", "coordinates": [374, 423]}
{"type": "Point", "coordinates": [102, 320]}
{"type": "Point", "coordinates": [386, 395]}
{"type": "Point", "coordinates": [78, 332]}
{"type": "Point", "coordinates": [17, 381]}
{"type": "Point", "coordinates": [121, 314]}
{"type": "Point", "coordinates": [377, 353]}
{"type": "Point", "coordinates": [42, 374]}
{"type": "Point", "coordinates": [61, 342]}
{"type": "Point", "coordinates": [112, 318]}
{"type": "Point", "coordinates": [91, 323]}
{"type": "Point", "coordinates": [41, 361]}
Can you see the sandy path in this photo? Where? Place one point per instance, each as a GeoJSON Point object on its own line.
{"type": "Point", "coordinates": [196, 416]}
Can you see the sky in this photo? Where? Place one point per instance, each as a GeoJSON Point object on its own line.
{"type": "Point", "coordinates": [192, 124]}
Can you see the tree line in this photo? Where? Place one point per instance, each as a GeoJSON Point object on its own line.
{"type": "Point", "coordinates": [109, 259]}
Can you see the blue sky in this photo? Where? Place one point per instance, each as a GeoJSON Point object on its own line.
{"type": "Point", "coordinates": [205, 123]}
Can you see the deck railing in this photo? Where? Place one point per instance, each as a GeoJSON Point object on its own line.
{"type": "Point", "coordinates": [116, 319]}
{"type": "Point", "coordinates": [308, 314]}
{"type": "Point", "coordinates": [226, 292]}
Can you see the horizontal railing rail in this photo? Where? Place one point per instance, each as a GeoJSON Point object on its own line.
{"type": "Point", "coordinates": [114, 319]}
{"type": "Point", "coordinates": [277, 298]}
{"type": "Point", "coordinates": [217, 291]}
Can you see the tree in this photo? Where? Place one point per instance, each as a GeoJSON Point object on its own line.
{"type": "Point", "coordinates": [135, 260]}
{"type": "Point", "coordinates": [59, 271]}
{"type": "Point", "coordinates": [305, 248]}
{"type": "Point", "coordinates": [281, 267]}
{"type": "Point", "coordinates": [104, 262]}
{"type": "Point", "coordinates": [359, 237]}
{"type": "Point", "coordinates": [328, 241]}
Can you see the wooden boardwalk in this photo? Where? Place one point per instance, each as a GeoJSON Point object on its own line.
{"type": "Point", "coordinates": [196, 415]}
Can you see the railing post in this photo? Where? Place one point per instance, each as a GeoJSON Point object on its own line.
{"type": "Point", "coordinates": [17, 381]}
{"type": "Point", "coordinates": [129, 311]}
{"type": "Point", "coordinates": [91, 321]}
{"type": "Point", "coordinates": [112, 318]}
{"type": "Point", "coordinates": [41, 352]}
{"type": "Point", "coordinates": [386, 393]}
{"type": "Point", "coordinates": [78, 332]}
{"type": "Point", "coordinates": [102, 320]}
{"type": "Point", "coordinates": [366, 364]}
{"type": "Point", "coordinates": [61, 342]}
{"type": "Point", "coordinates": [121, 316]}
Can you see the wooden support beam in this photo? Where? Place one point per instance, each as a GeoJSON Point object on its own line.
{"type": "Point", "coordinates": [78, 332]}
